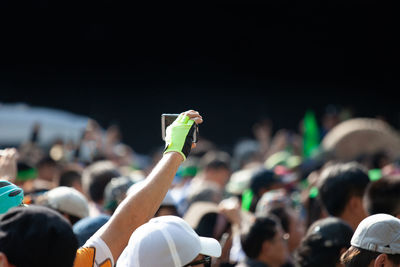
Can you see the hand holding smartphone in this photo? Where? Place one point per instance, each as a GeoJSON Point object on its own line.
{"type": "Point", "coordinates": [167, 119]}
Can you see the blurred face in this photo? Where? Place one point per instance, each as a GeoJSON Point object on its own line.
{"type": "Point", "coordinates": [219, 176]}
{"type": "Point", "coordinates": [296, 231]}
{"type": "Point", "coordinates": [277, 252]}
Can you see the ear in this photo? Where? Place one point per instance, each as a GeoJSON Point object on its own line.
{"type": "Point", "coordinates": [4, 261]}
{"type": "Point", "coordinates": [381, 261]}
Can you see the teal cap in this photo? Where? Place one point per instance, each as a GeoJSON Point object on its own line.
{"type": "Point", "coordinates": [10, 196]}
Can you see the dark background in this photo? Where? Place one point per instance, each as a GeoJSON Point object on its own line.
{"type": "Point", "coordinates": [234, 63]}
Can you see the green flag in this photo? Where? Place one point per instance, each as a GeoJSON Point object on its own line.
{"type": "Point", "coordinates": [311, 135]}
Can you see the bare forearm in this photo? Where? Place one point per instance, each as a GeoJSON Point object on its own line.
{"type": "Point", "coordinates": [141, 206]}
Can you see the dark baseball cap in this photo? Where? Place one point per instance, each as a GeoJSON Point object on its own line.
{"type": "Point", "coordinates": [37, 236]}
{"type": "Point", "coordinates": [330, 232]}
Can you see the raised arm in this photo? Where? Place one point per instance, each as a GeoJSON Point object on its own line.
{"type": "Point", "coordinates": [141, 206]}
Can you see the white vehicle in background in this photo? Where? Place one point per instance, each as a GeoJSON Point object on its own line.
{"type": "Point", "coordinates": [17, 122]}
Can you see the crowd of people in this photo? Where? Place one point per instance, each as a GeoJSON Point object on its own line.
{"type": "Point", "coordinates": [278, 199]}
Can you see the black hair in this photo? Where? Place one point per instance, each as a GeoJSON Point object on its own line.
{"type": "Point", "coordinates": [96, 177]}
{"type": "Point", "coordinates": [263, 228]}
{"type": "Point", "coordinates": [338, 183]}
{"type": "Point", "coordinates": [46, 161]}
{"type": "Point", "coordinates": [383, 196]}
{"type": "Point", "coordinates": [67, 178]}
{"type": "Point", "coordinates": [283, 216]}
{"type": "Point", "coordinates": [37, 236]}
{"type": "Point", "coordinates": [358, 257]}
{"type": "Point", "coordinates": [262, 178]}
{"type": "Point", "coordinates": [99, 183]}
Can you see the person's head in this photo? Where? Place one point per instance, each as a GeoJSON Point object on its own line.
{"type": "Point", "coordinates": [206, 220]}
{"type": "Point", "coordinates": [95, 178]}
{"type": "Point", "coordinates": [167, 241]}
{"type": "Point", "coordinates": [325, 241]}
{"type": "Point", "coordinates": [383, 196]}
{"type": "Point", "coordinates": [376, 242]}
{"type": "Point", "coordinates": [71, 178]}
{"type": "Point", "coordinates": [292, 225]}
{"type": "Point", "coordinates": [47, 169]}
{"type": "Point", "coordinates": [278, 203]}
{"type": "Point", "coordinates": [66, 200]}
{"type": "Point", "coordinates": [10, 196]}
{"type": "Point", "coordinates": [205, 191]}
{"type": "Point", "coordinates": [36, 236]}
{"type": "Point", "coordinates": [341, 188]}
{"type": "Point", "coordinates": [168, 206]}
{"type": "Point", "coordinates": [262, 180]}
{"type": "Point", "coordinates": [115, 192]}
{"type": "Point", "coordinates": [265, 241]}
{"type": "Point", "coordinates": [246, 152]}
{"type": "Point", "coordinates": [215, 166]}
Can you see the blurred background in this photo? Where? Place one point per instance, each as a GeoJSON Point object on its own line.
{"type": "Point", "coordinates": [236, 64]}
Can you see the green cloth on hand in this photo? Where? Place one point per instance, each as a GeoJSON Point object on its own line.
{"type": "Point", "coordinates": [179, 136]}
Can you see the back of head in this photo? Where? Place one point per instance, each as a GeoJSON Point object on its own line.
{"type": "Point", "coordinates": [69, 177]}
{"type": "Point", "coordinates": [166, 241]}
{"type": "Point", "coordinates": [323, 243]}
{"type": "Point", "coordinates": [253, 237]}
{"type": "Point", "coordinates": [338, 183]}
{"type": "Point", "coordinates": [37, 236]}
{"type": "Point", "coordinates": [206, 220]}
{"type": "Point", "coordinates": [377, 234]}
{"type": "Point", "coordinates": [383, 196]}
{"type": "Point", "coordinates": [96, 177]}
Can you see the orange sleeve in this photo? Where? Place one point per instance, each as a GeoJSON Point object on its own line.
{"type": "Point", "coordinates": [85, 258]}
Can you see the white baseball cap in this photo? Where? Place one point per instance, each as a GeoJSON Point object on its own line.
{"type": "Point", "coordinates": [380, 233]}
{"type": "Point", "coordinates": [68, 200]}
{"type": "Point", "coordinates": [166, 241]}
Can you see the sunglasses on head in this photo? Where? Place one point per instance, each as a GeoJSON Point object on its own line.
{"type": "Point", "coordinates": [206, 261]}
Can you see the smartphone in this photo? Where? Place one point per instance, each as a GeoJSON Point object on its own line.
{"type": "Point", "coordinates": [167, 119]}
